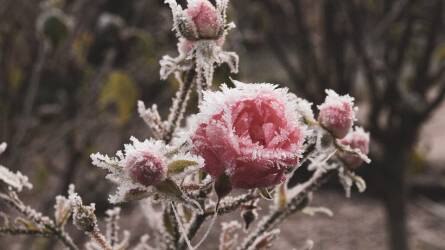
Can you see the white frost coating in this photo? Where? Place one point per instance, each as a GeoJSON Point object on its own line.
{"type": "Point", "coordinates": [17, 180]}
{"type": "Point", "coordinates": [203, 54]}
{"type": "Point", "coordinates": [216, 101]}
{"type": "Point", "coordinates": [116, 167]}
{"type": "Point", "coordinates": [190, 169]}
{"type": "Point", "coordinates": [152, 118]}
{"type": "Point", "coordinates": [335, 100]}
{"type": "Point", "coordinates": [3, 146]}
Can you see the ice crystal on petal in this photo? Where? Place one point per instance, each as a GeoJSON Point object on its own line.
{"type": "Point", "coordinates": [252, 133]}
{"type": "Point", "coordinates": [337, 113]}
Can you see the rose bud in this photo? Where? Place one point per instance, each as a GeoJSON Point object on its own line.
{"type": "Point", "coordinates": [337, 114]}
{"type": "Point", "coordinates": [144, 165]}
{"type": "Point", "coordinates": [356, 139]}
{"type": "Point", "coordinates": [201, 20]}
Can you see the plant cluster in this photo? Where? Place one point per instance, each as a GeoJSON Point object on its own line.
{"type": "Point", "coordinates": [241, 148]}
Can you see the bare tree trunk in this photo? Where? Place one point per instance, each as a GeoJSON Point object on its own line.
{"type": "Point", "coordinates": [395, 197]}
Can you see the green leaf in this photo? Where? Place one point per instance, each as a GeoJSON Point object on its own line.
{"type": "Point", "coordinates": [179, 166]}
{"type": "Point", "coordinates": [171, 189]}
{"type": "Point", "coordinates": [136, 194]}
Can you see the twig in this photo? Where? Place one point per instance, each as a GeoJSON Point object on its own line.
{"type": "Point", "coordinates": [296, 203]}
{"type": "Point", "coordinates": [179, 104]}
{"type": "Point", "coordinates": [13, 201]}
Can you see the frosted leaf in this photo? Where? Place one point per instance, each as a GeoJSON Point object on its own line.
{"type": "Point", "coordinates": [62, 210]}
{"type": "Point", "coordinates": [304, 107]}
{"type": "Point", "coordinates": [177, 12]}
{"type": "Point", "coordinates": [348, 179]}
{"type": "Point", "coordinates": [231, 59]}
{"type": "Point", "coordinates": [16, 181]}
{"type": "Point", "coordinates": [152, 118]}
{"type": "Point", "coordinates": [192, 163]}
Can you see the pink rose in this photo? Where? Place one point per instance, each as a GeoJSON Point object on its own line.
{"type": "Point", "coordinates": [356, 139]}
{"type": "Point", "coordinates": [337, 114]}
{"type": "Point", "coordinates": [251, 132]}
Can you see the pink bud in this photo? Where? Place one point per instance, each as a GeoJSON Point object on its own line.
{"type": "Point", "coordinates": [337, 114]}
{"type": "Point", "coordinates": [206, 19]}
{"type": "Point", "coordinates": [146, 168]}
{"type": "Point", "coordinates": [356, 139]}
{"type": "Point", "coordinates": [250, 132]}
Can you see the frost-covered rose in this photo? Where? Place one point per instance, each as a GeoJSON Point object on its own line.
{"type": "Point", "coordinates": [337, 113]}
{"type": "Point", "coordinates": [206, 19]}
{"type": "Point", "coordinates": [356, 139]}
{"type": "Point", "coordinates": [143, 166]}
{"type": "Point", "coordinates": [144, 163]}
{"type": "Point", "coordinates": [252, 133]}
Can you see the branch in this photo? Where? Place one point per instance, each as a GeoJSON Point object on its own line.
{"type": "Point", "coordinates": [298, 202]}
{"type": "Point", "coordinates": [179, 104]}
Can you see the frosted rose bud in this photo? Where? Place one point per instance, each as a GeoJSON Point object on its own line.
{"type": "Point", "coordinates": [337, 114]}
{"type": "Point", "coordinates": [251, 133]}
{"type": "Point", "coordinates": [356, 139]}
{"type": "Point", "coordinates": [144, 165]}
{"type": "Point", "coordinates": [202, 21]}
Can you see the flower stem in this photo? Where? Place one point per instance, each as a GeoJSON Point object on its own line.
{"type": "Point", "coordinates": [298, 202]}
{"type": "Point", "coordinates": [179, 104]}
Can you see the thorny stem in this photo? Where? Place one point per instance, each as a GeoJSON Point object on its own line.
{"type": "Point", "coordinates": [179, 104]}
{"type": "Point", "coordinates": [225, 207]}
{"type": "Point", "coordinates": [298, 202]}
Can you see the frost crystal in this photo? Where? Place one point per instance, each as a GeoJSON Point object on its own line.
{"type": "Point", "coordinates": [337, 113]}
{"type": "Point", "coordinates": [16, 181]}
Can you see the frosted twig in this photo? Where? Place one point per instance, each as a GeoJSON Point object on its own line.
{"type": "Point", "coordinates": [179, 105]}
{"type": "Point", "coordinates": [295, 204]}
